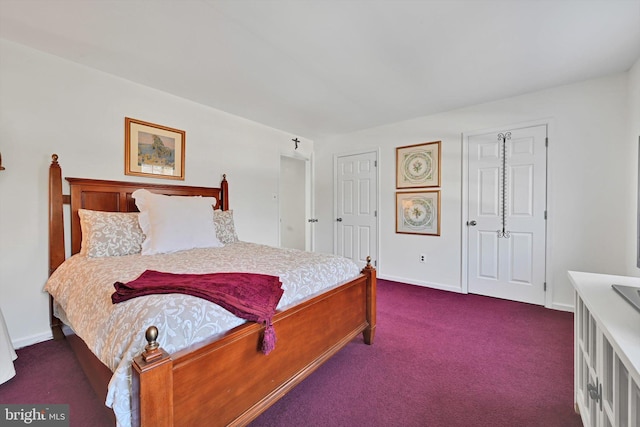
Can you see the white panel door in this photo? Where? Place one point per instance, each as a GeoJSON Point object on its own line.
{"type": "Point", "coordinates": [356, 233]}
{"type": "Point", "coordinates": [507, 206]}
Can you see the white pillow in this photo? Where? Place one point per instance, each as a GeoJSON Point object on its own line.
{"type": "Point", "coordinates": [175, 223]}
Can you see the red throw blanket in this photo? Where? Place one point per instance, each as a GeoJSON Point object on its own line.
{"type": "Point", "coordinates": [247, 295]}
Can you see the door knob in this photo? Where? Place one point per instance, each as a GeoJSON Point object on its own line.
{"type": "Point", "coordinates": [339, 219]}
{"type": "Point", "coordinates": [472, 223]}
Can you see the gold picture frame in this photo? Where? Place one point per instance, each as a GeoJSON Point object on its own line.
{"type": "Point", "coordinates": [418, 212]}
{"type": "Point", "coordinates": [153, 150]}
{"type": "Point", "coordinates": [418, 166]}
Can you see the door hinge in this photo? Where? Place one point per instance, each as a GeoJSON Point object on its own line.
{"type": "Point", "coordinates": [545, 215]}
{"type": "Point", "coordinates": [546, 141]}
{"type": "Point", "coordinates": [545, 286]}
{"type": "Point", "coordinates": [375, 263]}
{"type": "Point", "coordinates": [375, 213]}
{"type": "Point", "coordinates": [375, 163]}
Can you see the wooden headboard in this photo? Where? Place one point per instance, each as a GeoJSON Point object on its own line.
{"type": "Point", "coordinates": [101, 195]}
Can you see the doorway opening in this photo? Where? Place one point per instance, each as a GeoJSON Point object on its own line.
{"type": "Point", "coordinates": [295, 206]}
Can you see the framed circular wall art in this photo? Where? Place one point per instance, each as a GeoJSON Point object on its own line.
{"type": "Point", "coordinates": [418, 212]}
{"type": "Point", "coordinates": [418, 166]}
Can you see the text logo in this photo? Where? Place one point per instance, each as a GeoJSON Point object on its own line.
{"type": "Point", "coordinates": [34, 415]}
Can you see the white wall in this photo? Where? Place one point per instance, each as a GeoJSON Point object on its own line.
{"type": "Point", "coordinates": [49, 105]}
{"type": "Point", "coordinates": [589, 183]}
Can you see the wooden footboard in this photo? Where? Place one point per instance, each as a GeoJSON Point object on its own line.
{"type": "Point", "coordinates": [230, 382]}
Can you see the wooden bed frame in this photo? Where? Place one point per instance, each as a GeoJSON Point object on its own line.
{"type": "Point", "coordinates": [223, 381]}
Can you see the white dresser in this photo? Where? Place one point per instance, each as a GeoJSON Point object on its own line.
{"type": "Point", "coordinates": [607, 351]}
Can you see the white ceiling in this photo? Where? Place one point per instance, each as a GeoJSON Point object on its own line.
{"type": "Point", "coordinates": [323, 67]}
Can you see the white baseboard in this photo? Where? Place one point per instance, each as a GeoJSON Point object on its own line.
{"type": "Point", "coordinates": [33, 339]}
{"type": "Point", "coordinates": [562, 307]}
{"type": "Point", "coordinates": [421, 283]}
{"type": "Point", "coordinates": [555, 306]}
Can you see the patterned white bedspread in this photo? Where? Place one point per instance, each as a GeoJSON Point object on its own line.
{"type": "Point", "coordinates": [82, 289]}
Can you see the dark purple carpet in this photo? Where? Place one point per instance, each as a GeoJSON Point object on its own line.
{"type": "Point", "coordinates": [49, 373]}
{"type": "Point", "coordinates": [439, 359]}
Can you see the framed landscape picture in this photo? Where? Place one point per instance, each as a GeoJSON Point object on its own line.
{"type": "Point", "coordinates": [418, 165]}
{"type": "Point", "coordinates": [418, 212]}
{"type": "Point", "coordinates": [153, 150]}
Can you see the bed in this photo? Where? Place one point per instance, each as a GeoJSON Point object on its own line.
{"type": "Point", "coordinates": [222, 379]}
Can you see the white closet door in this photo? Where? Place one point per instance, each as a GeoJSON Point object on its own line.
{"type": "Point", "coordinates": [356, 230]}
{"type": "Point", "coordinates": [507, 208]}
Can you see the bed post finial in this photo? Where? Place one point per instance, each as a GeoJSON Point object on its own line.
{"type": "Point", "coordinates": [368, 266]}
{"type": "Point", "coordinates": [54, 158]}
{"type": "Point", "coordinates": [152, 349]}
